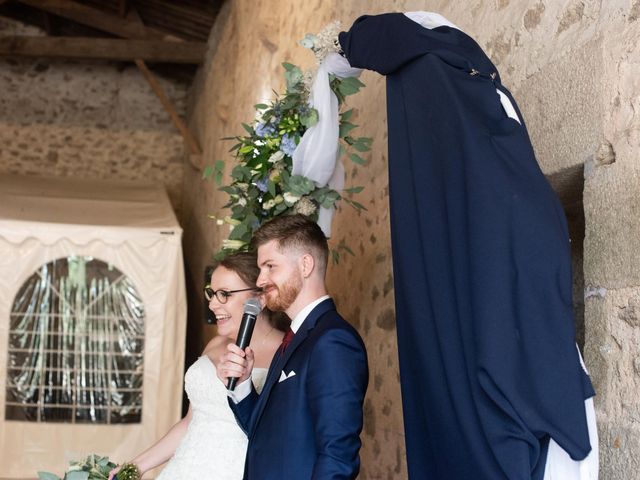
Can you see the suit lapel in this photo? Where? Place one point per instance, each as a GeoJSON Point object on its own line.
{"type": "Point", "coordinates": [279, 361]}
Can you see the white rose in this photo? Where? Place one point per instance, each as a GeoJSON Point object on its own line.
{"type": "Point", "coordinates": [232, 244]}
{"type": "Point", "coordinates": [290, 198]}
{"type": "Point", "coordinates": [269, 204]}
{"type": "Point", "coordinates": [276, 157]}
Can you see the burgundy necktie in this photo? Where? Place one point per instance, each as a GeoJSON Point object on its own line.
{"type": "Point", "coordinates": [286, 340]}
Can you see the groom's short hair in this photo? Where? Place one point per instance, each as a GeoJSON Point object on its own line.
{"type": "Point", "coordinates": [295, 232]}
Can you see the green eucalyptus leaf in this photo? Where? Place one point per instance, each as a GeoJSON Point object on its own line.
{"type": "Point", "coordinates": [218, 169]}
{"type": "Point", "coordinates": [329, 199]}
{"type": "Point", "coordinates": [310, 118]}
{"type": "Point", "coordinates": [221, 254]}
{"type": "Point", "coordinates": [349, 86]}
{"type": "Point", "coordinates": [238, 232]}
{"type": "Point", "coordinates": [299, 185]}
{"type": "Point", "coordinates": [249, 129]}
{"type": "Point", "coordinates": [345, 128]}
{"type": "Point", "coordinates": [78, 475]}
{"type": "Point", "coordinates": [345, 116]}
{"type": "Point", "coordinates": [271, 188]}
{"type": "Point", "coordinates": [354, 204]}
{"type": "Point", "coordinates": [106, 464]}
{"type": "Point", "coordinates": [240, 173]}
{"type": "Point", "coordinates": [353, 189]}
{"type": "Point", "coordinates": [290, 101]}
{"type": "Point", "coordinates": [237, 211]}
{"type": "Point", "coordinates": [293, 76]}
{"type": "Point", "coordinates": [362, 144]}
{"type": "Point", "coordinates": [261, 106]}
{"type": "Point", "coordinates": [355, 158]}
{"type": "Point", "coordinates": [207, 172]}
{"type": "Point", "coordinates": [48, 476]}
{"type": "Point", "coordinates": [281, 207]}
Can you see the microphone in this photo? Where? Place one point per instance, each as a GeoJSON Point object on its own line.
{"type": "Point", "coordinates": [252, 309]}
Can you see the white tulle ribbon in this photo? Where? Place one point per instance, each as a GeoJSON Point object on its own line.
{"type": "Point", "coordinates": [316, 156]}
{"type": "Point", "coordinates": [430, 20]}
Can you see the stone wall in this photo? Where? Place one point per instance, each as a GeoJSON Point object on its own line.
{"type": "Point", "coordinates": [87, 120]}
{"type": "Point", "coordinates": [574, 68]}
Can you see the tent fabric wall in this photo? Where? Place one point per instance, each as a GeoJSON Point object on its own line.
{"type": "Point", "coordinates": [131, 226]}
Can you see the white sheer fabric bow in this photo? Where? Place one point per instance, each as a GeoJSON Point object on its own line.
{"type": "Point", "coordinates": [316, 156]}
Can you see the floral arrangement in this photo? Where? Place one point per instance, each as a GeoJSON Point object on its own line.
{"type": "Point", "coordinates": [262, 185]}
{"type": "Point", "coordinates": [129, 471]}
{"type": "Point", "coordinates": [94, 467]}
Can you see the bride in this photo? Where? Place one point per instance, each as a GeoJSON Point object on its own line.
{"type": "Point", "coordinates": [207, 442]}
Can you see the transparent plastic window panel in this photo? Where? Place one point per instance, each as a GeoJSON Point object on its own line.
{"type": "Point", "coordinates": [76, 345]}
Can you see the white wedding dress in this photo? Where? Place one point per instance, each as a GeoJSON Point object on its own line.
{"type": "Point", "coordinates": [214, 447]}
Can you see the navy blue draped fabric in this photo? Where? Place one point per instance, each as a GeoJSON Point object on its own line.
{"type": "Point", "coordinates": [481, 258]}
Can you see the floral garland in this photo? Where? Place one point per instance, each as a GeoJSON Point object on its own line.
{"type": "Point", "coordinates": [94, 467]}
{"type": "Point", "coordinates": [262, 186]}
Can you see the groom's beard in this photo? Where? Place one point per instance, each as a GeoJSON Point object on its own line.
{"type": "Point", "coordinates": [279, 298]}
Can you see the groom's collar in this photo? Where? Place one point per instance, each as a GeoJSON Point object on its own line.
{"type": "Point", "coordinates": [304, 313]}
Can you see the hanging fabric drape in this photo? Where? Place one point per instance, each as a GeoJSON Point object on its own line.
{"type": "Point", "coordinates": [481, 261]}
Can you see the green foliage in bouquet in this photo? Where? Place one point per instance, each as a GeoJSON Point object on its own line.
{"type": "Point", "coordinates": [262, 186]}
{"type": "Point", "coordinates": [129, 471]}
{"type": "Point", "coordinates": [94, 467]}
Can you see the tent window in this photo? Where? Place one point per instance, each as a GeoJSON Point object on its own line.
{"type": "Point", "coordinates": [76, 345]}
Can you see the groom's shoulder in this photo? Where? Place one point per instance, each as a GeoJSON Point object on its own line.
{"type": "Point", "coordinates": [331, 320]}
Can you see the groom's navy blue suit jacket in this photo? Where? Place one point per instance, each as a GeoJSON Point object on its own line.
{"type": "Point", "coordinates": [308, 424]}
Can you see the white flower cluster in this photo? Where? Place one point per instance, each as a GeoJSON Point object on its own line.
{"type": "Point", "coordinates": [305, 206]}
{"type": "Point", "coordinates": [325, 42]}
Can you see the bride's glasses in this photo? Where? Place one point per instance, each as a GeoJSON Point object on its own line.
{"type": "Point", "coordinates": [223, 295]}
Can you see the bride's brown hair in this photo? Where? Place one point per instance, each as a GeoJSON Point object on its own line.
{"type": "Point", "coordinates": [245, 265]}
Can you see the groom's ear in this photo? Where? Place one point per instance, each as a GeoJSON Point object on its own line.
{"type": "Point", "coordinates": [307, 264]}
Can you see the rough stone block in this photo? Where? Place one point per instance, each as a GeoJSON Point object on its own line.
{"type": "Point", "coordinates": [562, 108]}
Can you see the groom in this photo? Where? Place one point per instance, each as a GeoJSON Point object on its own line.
{"type": "Point", "coordinates": [307, 420]}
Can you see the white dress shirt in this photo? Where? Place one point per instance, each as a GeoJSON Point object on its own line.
{"type": "Point", "coordinates": [243, 390]}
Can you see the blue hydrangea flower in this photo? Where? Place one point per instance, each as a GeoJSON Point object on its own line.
{"type": "Point", "coordinates": [262, 184]}
{"type": "Point", "coordinates": [265, 130]}
{"type": "Point", "coordinates": [288, 144]}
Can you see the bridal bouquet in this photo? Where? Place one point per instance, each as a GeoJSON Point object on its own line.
{"type": "Point", "coordinates": [94, 467]}
{"type": "Point", "coordinates": [263, 185]}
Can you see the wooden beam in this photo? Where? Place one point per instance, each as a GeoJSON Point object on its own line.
{"type": "Point", "coordinates": [95, 18]}
{"type": "Point", "coordinates": [103, 49]}
{"type": "Point", "coordinates": [48, 23]}
{"type": "Point", "coordinates": [189, 139]}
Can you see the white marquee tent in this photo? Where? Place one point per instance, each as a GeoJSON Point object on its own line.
{"type": "Point", "coordinates": [92, 321]}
